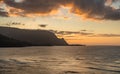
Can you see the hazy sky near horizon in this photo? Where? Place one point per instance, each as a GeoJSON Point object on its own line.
{"type": "Point", "coordinates": [78, 21]}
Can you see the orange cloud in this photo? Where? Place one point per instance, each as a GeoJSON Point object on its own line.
{"type": "Point", "coordinates": [88, 9]}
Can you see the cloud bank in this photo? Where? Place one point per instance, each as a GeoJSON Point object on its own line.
{"type": "Point", "coordinates": [90, 9]}
{"type": "Point", "coordinates": [82, 33]}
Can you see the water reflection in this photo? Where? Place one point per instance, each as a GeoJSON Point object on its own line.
{"type": "Point", "coordinates": [60, 60]}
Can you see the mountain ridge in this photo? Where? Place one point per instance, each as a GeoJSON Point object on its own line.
{"type": "Point", "coordinates": [35, 37]}
{"type": "Point", "coordinates": [10, 42]}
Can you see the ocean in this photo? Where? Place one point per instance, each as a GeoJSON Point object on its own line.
{"type": "Point", "coordinates": [60, 60]}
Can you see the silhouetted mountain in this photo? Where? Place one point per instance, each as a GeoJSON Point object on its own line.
{"type": "Point", "coordinates": [9, 42]}
{"type": "Point", "coordinates": [36, 37]}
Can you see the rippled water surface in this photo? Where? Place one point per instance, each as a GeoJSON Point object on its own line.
{"type": "Point", "coordinates": [60, 60]}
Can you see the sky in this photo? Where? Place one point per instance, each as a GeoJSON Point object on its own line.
{"type": "Point", "coordinates": [90, 22]}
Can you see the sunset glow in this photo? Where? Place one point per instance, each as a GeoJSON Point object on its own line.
{"type": "Point", "coordinates": [94, 23]}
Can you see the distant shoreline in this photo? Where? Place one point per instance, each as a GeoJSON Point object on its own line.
{"type": "Point", "coordinates": [60, 46]}
{"type": "Point", "coordinates": [76, 45]}
{"type": "Point", "coordinates": [39, 46]}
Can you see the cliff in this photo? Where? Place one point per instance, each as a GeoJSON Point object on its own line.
{"type": "Point", "coordinates": [35, 37]}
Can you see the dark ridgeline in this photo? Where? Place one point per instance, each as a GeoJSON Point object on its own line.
{"type": "Point", "coordinates": [34, 37]}
{"type": "Point", "coordinates": [9, 42]}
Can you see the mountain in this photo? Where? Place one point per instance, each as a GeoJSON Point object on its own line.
{"type": "Point", "coordinates": [35, 37]}
{"type": "Point", "coordinates": [9, 42]}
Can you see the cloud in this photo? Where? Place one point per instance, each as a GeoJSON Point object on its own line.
{"type": "Point", "coordinates": [107, 35]}
{"type": "Point", "coordinates": [95, 9]}
{"type": "Point", "coordinates": [113, 15]}
{"type": "Point", "coordinates": [83, 30]}
{"type": "Point", "coordinates": [90, 9]}
{"type": "Point", "coordinates": [2, 12]}
{"type": "Point", "coordinates": [42, 25]}
{"type": "Point", "coordinates": [5, 14]}
{"type": "Point", "coordinates": [82, 33]}
{"type": "Point", "coordinates": [36, 6]}
{"type": "Point", "coordinates": [72, 32]}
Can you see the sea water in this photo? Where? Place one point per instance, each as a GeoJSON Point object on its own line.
{"type": "Point", "coordinates": [60, 60]}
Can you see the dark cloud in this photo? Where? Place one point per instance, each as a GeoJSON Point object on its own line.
{"type": "Point", "coordinates": [95, 9]}
{"type": "Point", "coordinates": [13, 23]}
{"type": "Point", "coordinates": [91, 9]}
{"type": "Point", "coordinates": [115, 0]}
{"type": "Point", "coordinates": [36, 6]}
{"type": "Point", "coordinates": [43, 25]}
{"type": "Point", "coordinates": [86, 33]}
{"type": "Point", "coordinates": [65, 32]}
{"type": "Point", "coordinates": [84, 30]}
{"type": "Point", "coordinates": [4, 14]}
{"type": "Point", "coordinates": [71, 32]}
{"type": "Point", "coordinates": [16, 23]}
{"type": "Point", "coordinates": [113, 14]}
{"type": "Point", "coordinates": [82, 33]}
{"type": "Point", "coordinates": [107, 35]}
